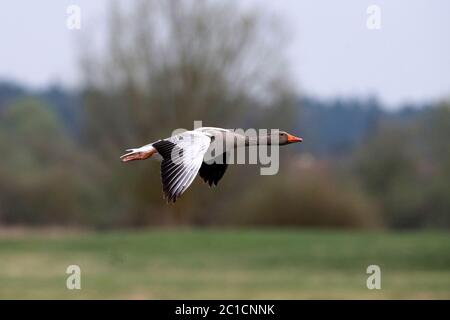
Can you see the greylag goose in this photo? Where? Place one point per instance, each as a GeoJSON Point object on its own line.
{"type": "Point", "coordinates": [188, 153]}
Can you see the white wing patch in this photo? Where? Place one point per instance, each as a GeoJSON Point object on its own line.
{"type": "Point", "coordinates": [182, 158]}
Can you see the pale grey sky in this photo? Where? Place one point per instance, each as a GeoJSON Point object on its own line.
{"type": "Point", "coordinates": [332, 53]}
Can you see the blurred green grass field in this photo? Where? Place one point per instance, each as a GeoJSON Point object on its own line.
{"type": "Point", "coordinates": [199, 264]}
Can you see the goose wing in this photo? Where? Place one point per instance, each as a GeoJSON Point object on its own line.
{"type": "Point", "coordinates": [211, 173]}
{"type": "Point", "coordinates": [182, 158]}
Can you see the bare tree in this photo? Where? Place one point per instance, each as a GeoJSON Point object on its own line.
{"type": "Point", "coordinates": [167, 63]}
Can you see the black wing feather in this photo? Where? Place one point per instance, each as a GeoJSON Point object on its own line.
{"type": "Point", "coordinates": [212, 173]}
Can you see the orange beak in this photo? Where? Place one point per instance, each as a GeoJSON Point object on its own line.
{"type": "Point", "coordinates": [293, 139]}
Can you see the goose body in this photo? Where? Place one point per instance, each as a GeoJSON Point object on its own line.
{"type": "Point", "coordinates": [200, 151]}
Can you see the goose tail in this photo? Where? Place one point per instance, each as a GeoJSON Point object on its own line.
{"type": "Point", "coordinates": [141, 153]}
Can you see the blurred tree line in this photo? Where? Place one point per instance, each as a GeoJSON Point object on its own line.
{"type": "Point", "coordinates": [164, 64]}
{"type": "Point", "coordinates": [406, 167]}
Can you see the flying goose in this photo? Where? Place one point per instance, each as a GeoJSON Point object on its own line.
{"type": "Point", "coordinates": [185, 154]}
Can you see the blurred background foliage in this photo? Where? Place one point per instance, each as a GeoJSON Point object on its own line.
{"type": "Point", "coordinates": [164, 65]}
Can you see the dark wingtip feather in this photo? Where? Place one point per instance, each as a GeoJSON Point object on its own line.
{"type": "Point", "coordinates": [212, 173]}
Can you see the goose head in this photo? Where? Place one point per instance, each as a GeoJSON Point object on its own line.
{"type": "Point", "coordinates": [283, 138]}
{"type": "Point", "coordinates": [274, 138]}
